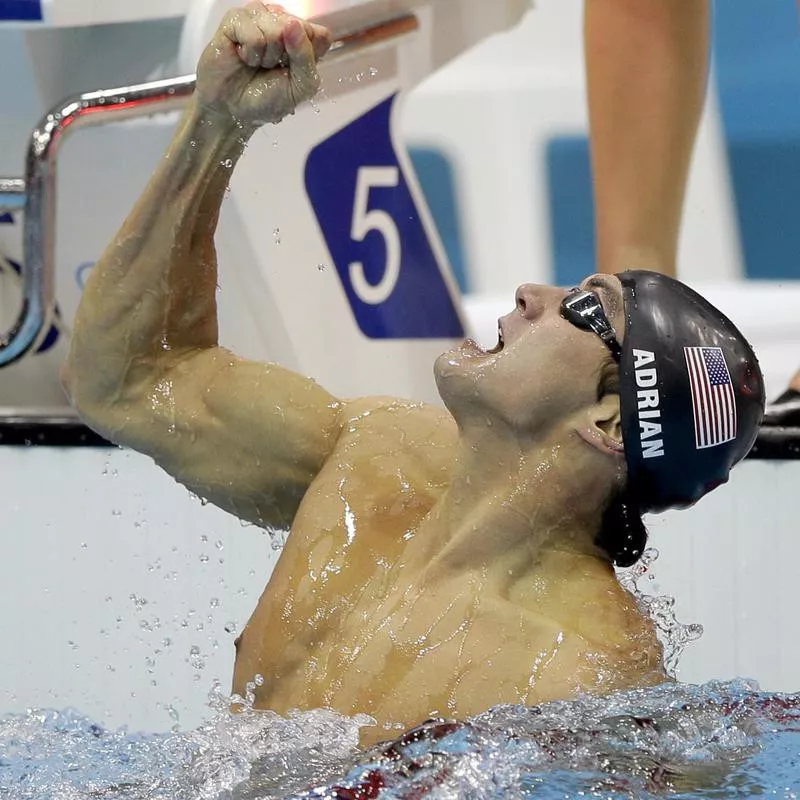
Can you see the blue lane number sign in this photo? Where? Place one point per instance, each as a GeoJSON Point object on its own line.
{"type": "Point", "coordinates": [375, 235]}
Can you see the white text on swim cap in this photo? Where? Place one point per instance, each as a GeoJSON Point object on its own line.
{"type": "Point", "coordinates": [648, 402]}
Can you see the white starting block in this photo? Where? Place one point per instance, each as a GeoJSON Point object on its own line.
{"type": "Point", "coordinates": [324, 223]}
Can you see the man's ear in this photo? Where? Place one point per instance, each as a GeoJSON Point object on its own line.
{"type": "Point", "coordinates": [604, 425]}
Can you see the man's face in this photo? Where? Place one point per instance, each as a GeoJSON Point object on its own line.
{"type": "Point", "coordinates": [543, 369]}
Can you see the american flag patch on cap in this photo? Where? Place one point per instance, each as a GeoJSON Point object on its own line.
{"type": "Point", "coordinates": [713, 401]}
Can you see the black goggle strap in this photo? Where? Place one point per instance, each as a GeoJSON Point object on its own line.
{"type": "Point", "coordinates": [584, 310]}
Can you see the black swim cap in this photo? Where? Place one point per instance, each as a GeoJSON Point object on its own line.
{"type": "Point", "coordinates": [691, 392]}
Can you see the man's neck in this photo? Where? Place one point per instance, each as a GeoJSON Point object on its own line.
{"type": "Point", "coordinates": [506, 505]}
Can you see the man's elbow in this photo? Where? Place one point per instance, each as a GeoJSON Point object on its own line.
{"type": "Point", "coordinates": [89, 396]}
{"type": "Point", "coordinates": [87, 410]}
{"type": "Point", "coordinates": [74, 388]}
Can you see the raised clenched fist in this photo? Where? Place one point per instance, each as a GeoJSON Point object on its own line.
{"type": "Point", "coordinates": [261, 64]}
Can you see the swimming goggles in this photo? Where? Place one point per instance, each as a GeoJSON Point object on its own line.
{"type": "Point", "coordinates": [584, 311]}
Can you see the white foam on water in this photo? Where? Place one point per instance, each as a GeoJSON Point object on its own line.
{"type": "Point", "coordinates": [716, 741]}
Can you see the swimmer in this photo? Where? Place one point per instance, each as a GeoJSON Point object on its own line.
{"type": "Point", "coordinates": [439, 562]}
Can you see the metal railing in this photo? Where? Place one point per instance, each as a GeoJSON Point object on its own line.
{"type": "Point", "coordinates": [36, 195]}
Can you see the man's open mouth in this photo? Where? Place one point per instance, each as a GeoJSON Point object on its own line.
{"type": "Point", "coordinates": [500, 340]}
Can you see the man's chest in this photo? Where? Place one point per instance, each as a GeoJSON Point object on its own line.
{"type": "Point", "coordinates": [437, 650]}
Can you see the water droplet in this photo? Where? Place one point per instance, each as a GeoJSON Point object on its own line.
{"type": "Point", "coordinates": [227, 163]}
{"type": "Point", "coordinates": [230, 627]}
{"type": "Point", "coordinates": [276, 235]}
{"type": "Point", "coordinates": [203, 558]}
{"type": "Point", "coordinates": [321, 267]}
{"type": "Point", "coordinates": [139, 602]}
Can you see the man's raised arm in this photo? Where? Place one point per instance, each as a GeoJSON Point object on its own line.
{"type": "Point", "coordinates": [145, 368]}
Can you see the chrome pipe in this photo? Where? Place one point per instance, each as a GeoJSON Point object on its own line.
{"type": "Point", "coordinates": [38, 237]}
{"type": "Point", "coordinates": [98, 108]}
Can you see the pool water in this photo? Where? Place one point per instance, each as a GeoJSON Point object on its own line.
{"type": "Point", "coordinates": [720, 740]}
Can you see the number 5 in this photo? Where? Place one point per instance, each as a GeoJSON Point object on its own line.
{"type": "Point", "coordinates": [365, 221]}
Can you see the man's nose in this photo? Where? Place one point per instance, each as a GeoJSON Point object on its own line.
{"type": "Point", "coordinates": [532, 299]}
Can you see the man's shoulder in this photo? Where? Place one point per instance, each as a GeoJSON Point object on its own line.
{"type": "Point", "coordinates": [394, 422]}
{"type": "Point", "coordinates": [388, 449]}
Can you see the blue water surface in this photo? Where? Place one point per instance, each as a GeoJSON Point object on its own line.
{"type": "Point", "coordinates": [720, 740]}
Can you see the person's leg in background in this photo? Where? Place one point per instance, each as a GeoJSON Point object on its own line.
{"type": "Point", "coordinates": [647, 66]}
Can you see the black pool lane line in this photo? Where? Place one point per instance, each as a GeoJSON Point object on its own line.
{"type": "Point", "coordinates": [20, 432]}
{"type": "Point", "coordinates": [777, 443]}
{"type": "Point", "coordinates": [772, 443]}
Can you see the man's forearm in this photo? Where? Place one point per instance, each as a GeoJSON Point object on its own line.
{"type": "Point", "coordinates": [646, 67]}
{"type": "Point", "coordinates": [151, 296]}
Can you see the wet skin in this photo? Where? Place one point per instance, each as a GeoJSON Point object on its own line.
{"type": "Point", "coordinates": [372, 608]}
{"type": "Point", "coordinates": [440, 561]}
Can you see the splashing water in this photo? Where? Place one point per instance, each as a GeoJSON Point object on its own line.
{"type": "Point", "coordinates": [63, 755]}
{"type": "Point", "coordinates": [678, 741]}
{"type": "Point", "coordinates": [721, 740]}
{"type": "Point", "coordinates": [673, 635]}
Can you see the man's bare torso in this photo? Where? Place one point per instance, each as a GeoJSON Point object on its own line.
{"type": "Point", "coordinates": [366, 611]}
{"type": "Point", "coordinates": [352, 620]}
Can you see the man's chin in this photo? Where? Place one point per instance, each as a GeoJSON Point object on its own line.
{"type": "Point", "coordinates": [455, 380]}
{"type": "Point", "coordinates": [448, 365]}
{"type": "Point", "coordinates": [465, 354]}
